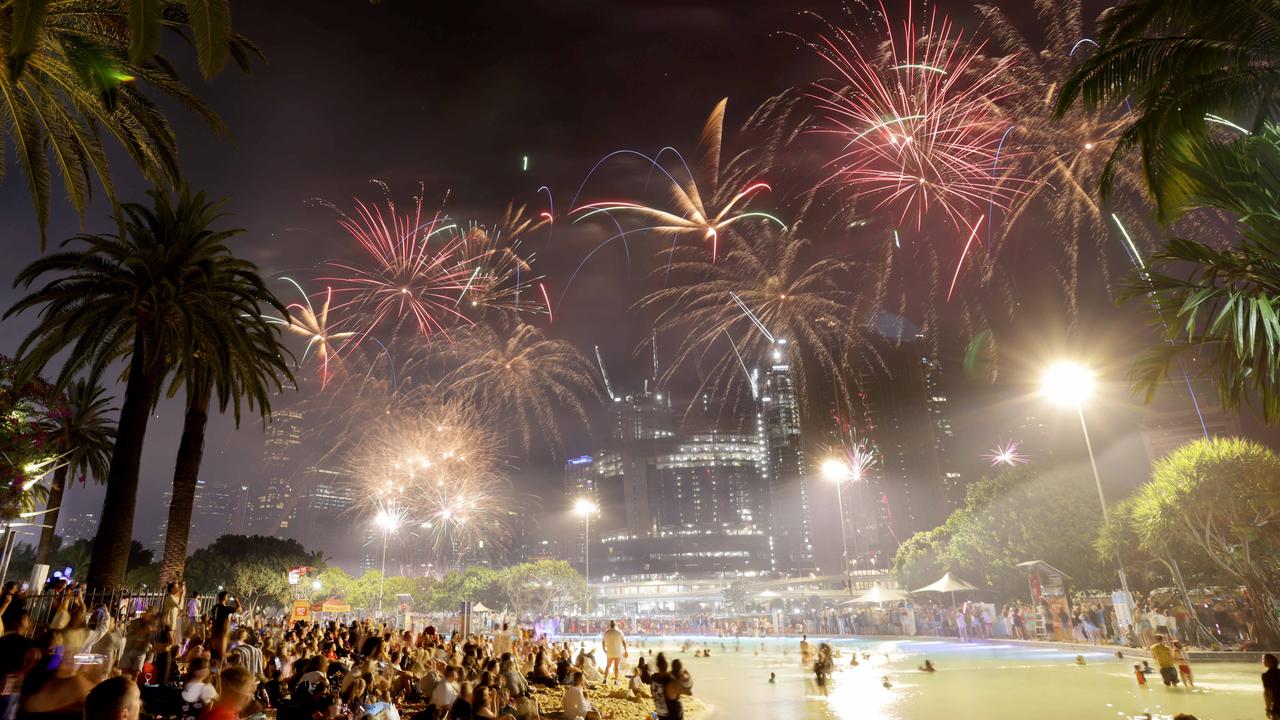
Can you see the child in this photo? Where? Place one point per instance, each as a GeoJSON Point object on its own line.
{"type": "Point", "coordinates": [1142, 677]}
{"type": "Point", "coordinates": [1184, 665]}
{"type": "Point", "coordinates": [773, 678]}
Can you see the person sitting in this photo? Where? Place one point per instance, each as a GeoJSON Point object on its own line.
{"type": "Point", "coordinates": [462, 708]}
{"type": "Point", "coordinates": [116, 698]}
{"type": "Point", "coordinates": [237, 692]}
{"type": "Point", "coordinates": [575, 702]}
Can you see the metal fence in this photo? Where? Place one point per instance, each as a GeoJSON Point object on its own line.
{"type": "Point", "coordinates": [121, 604]}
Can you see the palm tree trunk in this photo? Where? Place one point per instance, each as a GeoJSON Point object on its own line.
{"type": "Point", "coordinates": [115, 529]}
{"type": "Point", "coordinates": [186, 471]}
{"type": "Point", "coordinates": [50, 519]}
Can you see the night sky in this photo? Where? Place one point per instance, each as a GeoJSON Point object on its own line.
{"type": "Point", "coordinates": [453, 94]}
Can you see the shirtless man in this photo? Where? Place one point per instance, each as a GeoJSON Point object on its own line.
{"type": "Point", "coordinates": [615, 648]}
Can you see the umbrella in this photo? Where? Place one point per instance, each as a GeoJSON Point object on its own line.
{"type": "Point", "coordinates": [480, 608]}
{"type": "Point", "coordinates": [878, 594]}
{"type": "Point", "coordinates": [947, 583]}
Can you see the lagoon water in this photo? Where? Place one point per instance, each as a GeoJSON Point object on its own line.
{"type": "Point", "coordinates": [974, 681]}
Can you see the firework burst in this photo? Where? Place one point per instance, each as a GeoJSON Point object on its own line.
{"type": "Point", "coordinates": [1006, 455]}
{"type": "Point", "coordinates": [705, 211]}
{"type": "Point", "coordinates": [414, 269]}
{"type": "Point", "coordinates": [502, 278]}
{"type": "Point", "coordinates": [921, 124]}
{"type": "Point", "coordinates": [762, 297]}
{"type": "Point", "coordinates": [305, 321]}
{"type": "Point", "coordinates": [520, 375]}
{"type": "Point", "coordinates": [439, 469]}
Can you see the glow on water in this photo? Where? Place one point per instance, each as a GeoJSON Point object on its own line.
{"type": "Point", "coordinates": [974, 681]}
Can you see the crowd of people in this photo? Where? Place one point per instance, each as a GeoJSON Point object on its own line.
{"type": "Point", "coordinates": [225, 665]}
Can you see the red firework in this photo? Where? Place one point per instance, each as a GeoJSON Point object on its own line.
{"type": "Point", "coordinates": [415, 270]}
{"type": "Point", "coordinates": [920, 123]}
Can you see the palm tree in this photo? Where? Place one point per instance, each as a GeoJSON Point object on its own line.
{"type": "Point", "coordinates": [1184, 65]}
{"type": "Point", "coordinates": [135, 294]}
{"type": "Point", "coordinates": [75, 68]}
{"type": "Point", "coordinates": [236, 355]}
{"type": "Point", "coordinates": [82, 434]}
{"type": "Point", "coordinates": [1221, 307]}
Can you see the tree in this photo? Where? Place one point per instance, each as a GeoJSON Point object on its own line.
{"type": "Point", "coordinates": [334, 582]}
{"type": "Point", "coordinates": [77, 68]}
{"type": "Point", "coordinates": [259, 584]}
{"type": "Point", "coordinates": [234, 353]}
{"type": "Point", "coordinates": [27, 404]}
{"type": "Point", "coordinates": [1222, 497]}
{"type": "Point", "coordinates": [82, 435]}
{"type": "Point", "coordinates": [132, 295]}
{"type": "Point", "coordinates": [1219, 309]}
{"type": "Point", "coordinates": [1182, 63]}
{"type": "Point", "coordinates": [530, 588]}
{"type": "Point", "coordinates": [1024, 513]}
{"type": "Point", "coordinates": [215, 565]}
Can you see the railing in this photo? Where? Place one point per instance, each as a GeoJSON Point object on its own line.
{"type": "Point", "coordinates": [121, 604]}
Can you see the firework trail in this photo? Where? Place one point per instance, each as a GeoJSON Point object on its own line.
{"type": "Point", "coordinates": [517, 374]}
{"type": "Point", "coordinates": [502, 277]}
{"type": "Point", "coordinates": [703, 211]}
{"type": "Point", "coordinates": [303, 320]}
{"type": "Point", "coordinates": [921, 124]}
{"type": "Point", "coordinates": [414, 270]}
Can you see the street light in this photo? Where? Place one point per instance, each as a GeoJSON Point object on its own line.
{"type": "Point", "coordinates": [585, 508]}
{"type": "Point", "coordinates": [838, 471]}
{"type": "Point", "coordinates": [388, 522]}
{"type": "Point", "coordinates": [1071, 384]}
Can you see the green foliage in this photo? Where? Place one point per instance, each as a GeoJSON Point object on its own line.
{"type": "Point", "coordinates": [219, 563]}
{"type": "Point", "coordinates": [1021, 514]}
{"type": "Point", "coordinates": [77, 69]}
{"type": "Point", "coordinates": [1220, 497]}
{"type": "Point", "coordinates": [530, 588]}
{"type": "Point", "coordinates": [334, 582]}
{"type": "Point", "coordinates": [1220, 308]}
{"type": "Point", "coordinates": [28, 405]}
{"type": "Point", "coordinates": [1179, 61]}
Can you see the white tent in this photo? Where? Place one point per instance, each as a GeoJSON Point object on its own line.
{"type": "Point", "coordinates": [480, 608]}
{"type": "Point", "coordinates": [878, 594]}
{"type": "Point", "coordinates": [947, 583]}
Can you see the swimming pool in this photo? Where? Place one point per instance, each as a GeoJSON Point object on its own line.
{"type": "Point", "coordinates": [974, 681]}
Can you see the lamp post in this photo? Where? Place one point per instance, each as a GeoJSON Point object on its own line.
{"type": "Point", "coordinates": [388, 522]}
{"type": "Point", "coordinates": [838, 471]}
{"type": "Point", "coordinates": [1070, 384]}
{"type": "Point", "coordinates": [585, 508]}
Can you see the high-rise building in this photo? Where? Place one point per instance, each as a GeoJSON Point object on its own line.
{"type": "Point", "coordinates": [271, 502]}
{"type": "Point", "coordinates": [904, 416]}
{"type": "Point", "coordinates": [80, 526]}
{"type": "Point", "coordinates": [211, 516]}
{"type": "Point", "coordinates": [674, 503]}
{"type": "Point", "coordinates": [323, 515]}
{"type": "Point", "coordinates": [786, 475]}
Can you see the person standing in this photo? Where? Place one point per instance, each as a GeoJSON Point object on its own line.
{"type": "Point", "coordinates": [615, 648]}
{"type": "Point", "coordinates": [1271, 686]}
{"type": "Point", "coordinates": [1163, 655]}
{"type": "Point", "coordinates": [171, 608]}
{"type": "Point", "coordinates": [220, 615]}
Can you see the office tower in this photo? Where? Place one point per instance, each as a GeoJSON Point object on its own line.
{"type": "Point", "coordinates": [324, 512]}
{"type": "Point", "coordinates": [271, 501]}
{"type": "Point", "coordinates": [211, 516]}
{"type": "Point", "coordinates": [786, 475]}
{"type": "Point", "coordinates": [904, 416]}
{"type": "Point", "coordinates": [79, 526]}
{"type": "Point", "coordinates": [671, 502]}
{"type": "Point", "coordinates": [579, 484]}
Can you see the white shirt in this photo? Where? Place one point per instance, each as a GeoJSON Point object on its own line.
{"type": "Point", "coordinates": [613, 642]}
{"type": "Point", "coordinates": [575, 703]}
{"type": "Point", "coordinates": [444, 695]}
